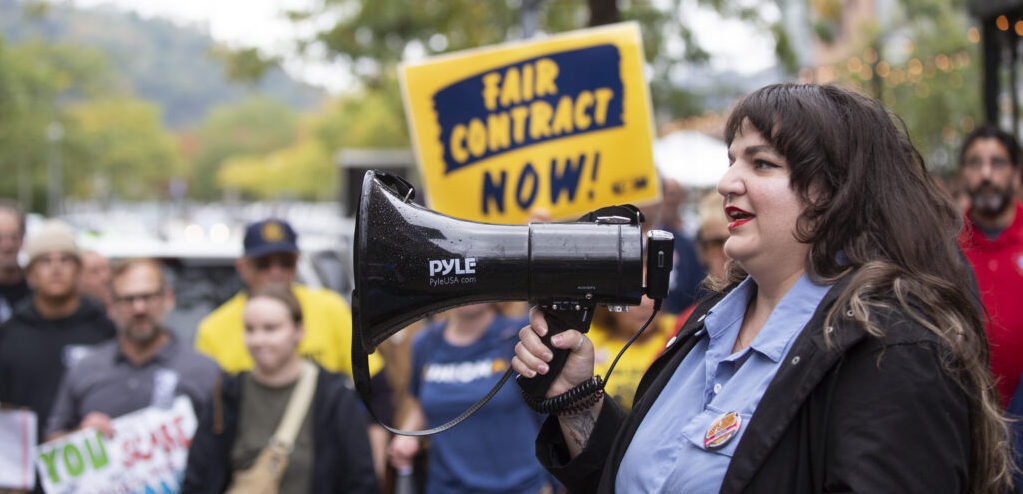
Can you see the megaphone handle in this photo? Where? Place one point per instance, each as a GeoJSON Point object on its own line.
{"type": "Point", "coordinates": [558, 320]}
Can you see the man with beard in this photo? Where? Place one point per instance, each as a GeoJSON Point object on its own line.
{"type": "Point", "coordinates": [992, 240]}
{"type": "Point", "coordinates": [145, 366]}
{"type": "Point", "coordinates": [13, 286]}
{"type": "Point", "coordinates": [54, 329]}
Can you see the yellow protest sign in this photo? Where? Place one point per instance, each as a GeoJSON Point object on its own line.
{"type": "Point", "coordinates": [561, 124]}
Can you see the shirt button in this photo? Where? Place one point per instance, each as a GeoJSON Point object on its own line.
{"type": "Point", "coordinates": [671, 341]}
{"type": "Point", "coordinates": [992, 265]}
{"type": "Point", "coordinates": [702, 318]}
{"type": "Point", "coordinates": [717, 388]}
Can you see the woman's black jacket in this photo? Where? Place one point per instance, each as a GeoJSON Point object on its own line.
{"type": "Point", "coordinates": [865, 414]}
{"type": "Point", "coordinates": [341, 451]}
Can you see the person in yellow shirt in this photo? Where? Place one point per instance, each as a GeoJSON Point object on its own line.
{"type": "Point", "coordinates": [271, 256]}
{"type": "Point", "coordinates": [610, 330]}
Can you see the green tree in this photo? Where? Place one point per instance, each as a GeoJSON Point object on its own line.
{"type": "Point", "coordinates": [919, 61]}
{"type": "Point", "coordinates": [35, 78]}
{"type": "Point", "coordinates": [372, 36]}
{"type": "Point", "coordinates": [367, 119]}
{"type": "Point", "coordinates": [253, 126]}
{"type": "Point", "coordinates": [305, 169]}
{"type": "Point", "coordinates": [118, 146]}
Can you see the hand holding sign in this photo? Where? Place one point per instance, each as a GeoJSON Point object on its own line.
{"type": "Point", "coordinates": [100, 422]}
{"type": "Point", "coordinates": [146, 451]}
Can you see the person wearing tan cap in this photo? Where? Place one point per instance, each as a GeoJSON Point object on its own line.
{"type": "Point", "coordinates": [58, 328]}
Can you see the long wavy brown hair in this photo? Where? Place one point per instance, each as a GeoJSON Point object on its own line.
{"type": "Point", "coordinates": [874, 213]}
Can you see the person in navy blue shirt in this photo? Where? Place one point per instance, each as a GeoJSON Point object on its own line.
{"type": "Point", "coordinates": [687, 272]}
{"type": "Point", "coordinates": [840, 354]}
{"type": "Point", "coordinates": [455, 362]}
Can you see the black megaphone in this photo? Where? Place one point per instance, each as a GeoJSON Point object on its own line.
{"type": "Point", "coordinates": [411, 262]}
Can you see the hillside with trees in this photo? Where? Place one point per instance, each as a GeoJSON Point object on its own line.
{"type": "Point", "coordinates": [154, 59]}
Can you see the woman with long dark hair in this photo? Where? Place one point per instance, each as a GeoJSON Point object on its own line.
{"type": "Point", "coordinates": [842, 352]}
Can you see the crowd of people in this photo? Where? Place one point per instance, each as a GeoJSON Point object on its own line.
{"type": "Point", "coordinates": [838, 322]}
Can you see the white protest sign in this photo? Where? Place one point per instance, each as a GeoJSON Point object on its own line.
{"type": "Point", "coordinates": [18, 435]}
{"type": "Point", "coordinates": [146, 455]}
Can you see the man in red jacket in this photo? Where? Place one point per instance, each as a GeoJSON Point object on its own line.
{"type": "Point", "coordinates": [992, 239]}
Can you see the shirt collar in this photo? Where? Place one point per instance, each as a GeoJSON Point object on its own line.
{"type": "Point", "coordinates": [730, 310]}
{"type": "Point", "coordinates": [1010, 235]}
{"type": "Point", "coordinates": [786, 320]}
{"type": "Point", "coordinates": [163, 355]}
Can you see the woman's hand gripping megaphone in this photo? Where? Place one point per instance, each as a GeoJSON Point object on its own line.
{"type": "Point", "coordinates": [533, 356]}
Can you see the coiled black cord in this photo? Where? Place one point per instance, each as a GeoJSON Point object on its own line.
{"type": "Point", "coordinates": [575, 400]}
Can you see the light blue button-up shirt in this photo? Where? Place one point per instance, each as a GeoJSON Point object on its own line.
{"type": "Point", "coordinates": [667, 453]}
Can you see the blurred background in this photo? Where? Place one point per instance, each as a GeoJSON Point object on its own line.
{"type": "Point", "coordinates": [159, 127]}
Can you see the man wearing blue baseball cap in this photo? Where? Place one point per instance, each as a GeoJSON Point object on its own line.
{"type": "Point", "coordinates": [271, 256]}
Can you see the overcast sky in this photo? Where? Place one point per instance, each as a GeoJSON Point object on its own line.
{"type": "Point", "coordinates": [261, 23]}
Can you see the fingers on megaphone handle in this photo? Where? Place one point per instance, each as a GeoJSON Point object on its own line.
{"type": "Point", "coordinates": [527, 363]}
{"type": "Point", "coordinates": [578, 366]}
{"type": "Point", "coordinates": [537, 321]}
{"type": "Point", "coordinates": [532, 355]}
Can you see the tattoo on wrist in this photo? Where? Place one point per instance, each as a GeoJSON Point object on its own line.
{"type": "Point", "coordinates": [579, 427]}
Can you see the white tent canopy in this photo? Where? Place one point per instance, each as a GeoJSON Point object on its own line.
{"type": "Point", "coordinates": [694, 159]}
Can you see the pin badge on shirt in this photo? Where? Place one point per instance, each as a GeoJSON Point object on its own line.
{"type": "Point", "coordinates": [165, 382]}
{"type": "Point", "coordinates": [722, 430]}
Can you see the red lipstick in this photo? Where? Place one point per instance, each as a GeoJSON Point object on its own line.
{"type": "Point", "coordinates": [739, 216]}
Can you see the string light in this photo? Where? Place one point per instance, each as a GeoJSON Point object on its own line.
{"type": "Point", "coordinates": [916, 72]}
{"type": "Point", "coordinates": [854, 64]}
{"type": "Point", "coordinates": [962, 59]}
{"type": "Point", "coordinates": [973, 35]}
{"type": "Point", "coordinates": [915, 67]}
{"type": "Point", "coordinates": [883, 69]}
{"type": "Point", "coordinates": [1002, 23]}
{"type": "Point", "coordinates": [967, 124]}
{"type": "Point", "coordinates": [870, 55]}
